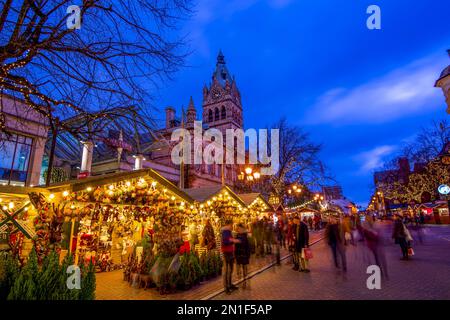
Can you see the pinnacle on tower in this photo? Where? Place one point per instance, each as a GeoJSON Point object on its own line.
{"type": "Point", "coordinates": [191, 104]}
{"type": "Point", "coordinates": [220, 58]}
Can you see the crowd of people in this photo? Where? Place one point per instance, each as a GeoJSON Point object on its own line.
{"type": "Point", "coordinates": [266, 236]}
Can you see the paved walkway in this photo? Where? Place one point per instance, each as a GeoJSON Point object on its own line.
{"type": "Point", "coordinates": [426, 276]}
{"type": "Point", "coordinates": [110, 285]}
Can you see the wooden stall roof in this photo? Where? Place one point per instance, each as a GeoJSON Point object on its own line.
{"type": "Point", "coordinates": [306, 209]}
{"type": "Point", "coordinates": [204, 194]}
{"type": "Point", "coordinates": [19, 192]}
{"type": "Point", "coordinates": [81, 184]}
{"type": "Point", "coordinates": [249, 198]}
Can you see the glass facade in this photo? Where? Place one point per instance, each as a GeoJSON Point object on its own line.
{"type": "Point", "coordinates": [15, 151]}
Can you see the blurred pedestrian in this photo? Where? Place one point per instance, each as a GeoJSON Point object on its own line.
{"type": "Point", "coordinates": [334, 236]}
{"type": "Point", "coordinates": [375, 244]}
{"type": "Point", "coordinates": [301, 241]}
{"type": "Point", "coordinates": [242, 253]}
{"type": "Point", "coordinates": [228, 255]}
{"type": "Point", "coordinates": [399, 234]}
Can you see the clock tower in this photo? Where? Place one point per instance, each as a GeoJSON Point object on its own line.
{"type": "Point", "coordinates": [222, 108]}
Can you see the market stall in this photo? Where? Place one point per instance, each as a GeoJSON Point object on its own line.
{"type": "Point", "coordinates": [257, 206]}
{"type": "Point", "coordinates": [213, 206]}
{"type": "Point", "coordinates": [16, 217]}
{"type": "Point", "coordinates": [105, 217]}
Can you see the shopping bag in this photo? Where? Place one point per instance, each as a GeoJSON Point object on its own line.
{"type": "Point", "coordinates": [307, 254]}
{"type": "Point", "coordinates": [348, 236]}
{"type": "Point", "coordinates": [410, 251]}
{"type": "Point", "coordinates": [175, 264]}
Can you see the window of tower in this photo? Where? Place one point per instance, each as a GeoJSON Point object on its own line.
{"type": "Point", "coordinates": [216, 114]}
{"type": "Point", "coordinates": [210, 116]}
{"type": "Point", "coordinates": [224, 113]}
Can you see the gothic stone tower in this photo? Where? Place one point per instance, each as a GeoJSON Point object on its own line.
{"type": "Point", "coordinates": [222, 108]}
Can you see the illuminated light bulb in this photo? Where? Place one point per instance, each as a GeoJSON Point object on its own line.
{"type": "Point", "coordinates": [172, 198]}
{"type": "Point", "coordinates": [153, 184]}
{"type": "Point", "coordinates": [65, 193]}
{"type": "Point", "coordinates": [209, 203]}
{"type": "Point", "coordinates": [72, 207]}
{"type": "Point", "coordinates": [26, 209]}
{"type": "Point", "coordinates": [51, 196]}
{"type": "Point", "coordinates": [5, 208]}
{"type": "Point", "coordinates": [165, 190]}
{"type": "Point", "coordinates": [88, 189]}
{"type": "Point", "coordinates": [141, 180]}
{"type": "Point", "coordinates": [110, 192]}
{"type": "Point", "coordinates": [111, 187]}
{"type": "Point", "coordinates": [1, 200]}
{"type": "Point", "coordinates": [11, 205]}
{"type": "Point", "coordinates": [214, 199]}
{"type": "Point", "coordinates": [248, 170]}
{"type": "Point", "coordinates": [128, 183]}
{"type": "Point", "coordinates": [182, 203]}
{"type": "Point", "coordinates": [201, 206]}
{"type": "Point", "coordinates": [192, 207]}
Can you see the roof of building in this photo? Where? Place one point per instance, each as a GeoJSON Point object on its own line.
{"type": "Point", "coordinates": [248, 198]}
{"type": "Point", "coordinates": [445, 72]}
{"type": "Point", "coordinates": [221, 73]}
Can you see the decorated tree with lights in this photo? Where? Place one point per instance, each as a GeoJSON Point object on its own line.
{"type": "Point", "coordinates": [420, 183]}
{"type": "Point", "coordinates": [92, 75]}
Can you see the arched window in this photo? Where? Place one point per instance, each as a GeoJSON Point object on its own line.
{"type": "Point", "coordinates": [216, 114]}
{"type": "Point", "coordinates": [224, 113]}
{"type": "Point", "coordinates": [210, 116]}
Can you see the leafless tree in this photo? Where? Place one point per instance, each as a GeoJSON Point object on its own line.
{"type": "Point", "coordinates": [299, 161]}
{"type": "Point", "coordinates": [108, 67]}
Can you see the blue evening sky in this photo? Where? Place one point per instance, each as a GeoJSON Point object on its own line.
{"type": "Point", "coordinates": [362, 93]}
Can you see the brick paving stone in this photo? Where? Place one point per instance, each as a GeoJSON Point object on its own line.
{"type": "Point", "coordinates": [110, 285]}
{"type": "Point", "coordinates": [426, 276]}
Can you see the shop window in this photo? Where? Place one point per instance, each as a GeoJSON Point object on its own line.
{"type": "Point", "coordinates": [15, 153]}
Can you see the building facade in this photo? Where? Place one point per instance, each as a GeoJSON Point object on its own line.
{"type": "Point", "coordinates": [221, 110]}
{"type": "Point", "coordinates": [23, 133]}
{"type": "Point", "coordinates": [443, 82]}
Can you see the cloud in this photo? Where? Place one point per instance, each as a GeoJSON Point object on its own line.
{"type": "Point", "coordinates": [374, 158]}
{"type": "Point", "coordinates": [209, 11]}
{"type": "Point", "coordinates": [402, 92]}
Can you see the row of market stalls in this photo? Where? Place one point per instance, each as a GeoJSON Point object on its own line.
{"type": "Point", "coordinates": [110, 214]}
{"type": "Point", "coordinates": [436, 212]}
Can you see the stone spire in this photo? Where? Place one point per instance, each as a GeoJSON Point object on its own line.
{"type": "Point", "coordinates": [191, 112]}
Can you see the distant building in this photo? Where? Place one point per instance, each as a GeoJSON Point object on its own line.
{"type": "Point", "coordinates": [23, 133]}
{"type": "Point", "coordinates": [443, 82]}
{"type": "Point", "coordinates": [332, 192]}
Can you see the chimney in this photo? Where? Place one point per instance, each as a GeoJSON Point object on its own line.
{"type": "Point", "coordinates": [170, 116]}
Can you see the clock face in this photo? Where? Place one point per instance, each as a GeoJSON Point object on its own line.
{"type": "Point", "coordinates": [216, 94]}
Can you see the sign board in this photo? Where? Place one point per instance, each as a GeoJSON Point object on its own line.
{"type": "Point", "coordinates": [444, 189]}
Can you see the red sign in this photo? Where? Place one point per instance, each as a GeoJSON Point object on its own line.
{"type": "Point", "coordinates": [83, 175]}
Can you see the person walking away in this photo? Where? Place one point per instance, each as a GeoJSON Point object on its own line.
{"type": "Point", "coordinates": [310, 223]}
{"type": "Point", "coordinates": [375, 245]}
{"type": "Point", "coordinates": [333, 234]}
{"type": "Point", "coordinates": [399, 235]}
{"type": "Point", "coordinates": [242, 253]}
{"type": "Point", "coordinates": [228, 255]}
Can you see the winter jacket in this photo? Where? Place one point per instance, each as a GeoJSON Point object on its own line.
{"type": "Point", "coordinates": [301, 236]}
{"type": "Point", "coordinates": [242, 249]}
{"type": "Point", "coordinates": [227, 244]}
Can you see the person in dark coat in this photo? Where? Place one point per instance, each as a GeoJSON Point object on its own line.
{"type": "Point", "coordinates": [242, 253]}
{"type": "Point", "coordinates": [301, 241]}
{"type": "Point", "coordinates": [227, 247]}
{"type": "Point", "coordinates": [399, 235]}
{"type": "Point", "coordinates": [334, 235]}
